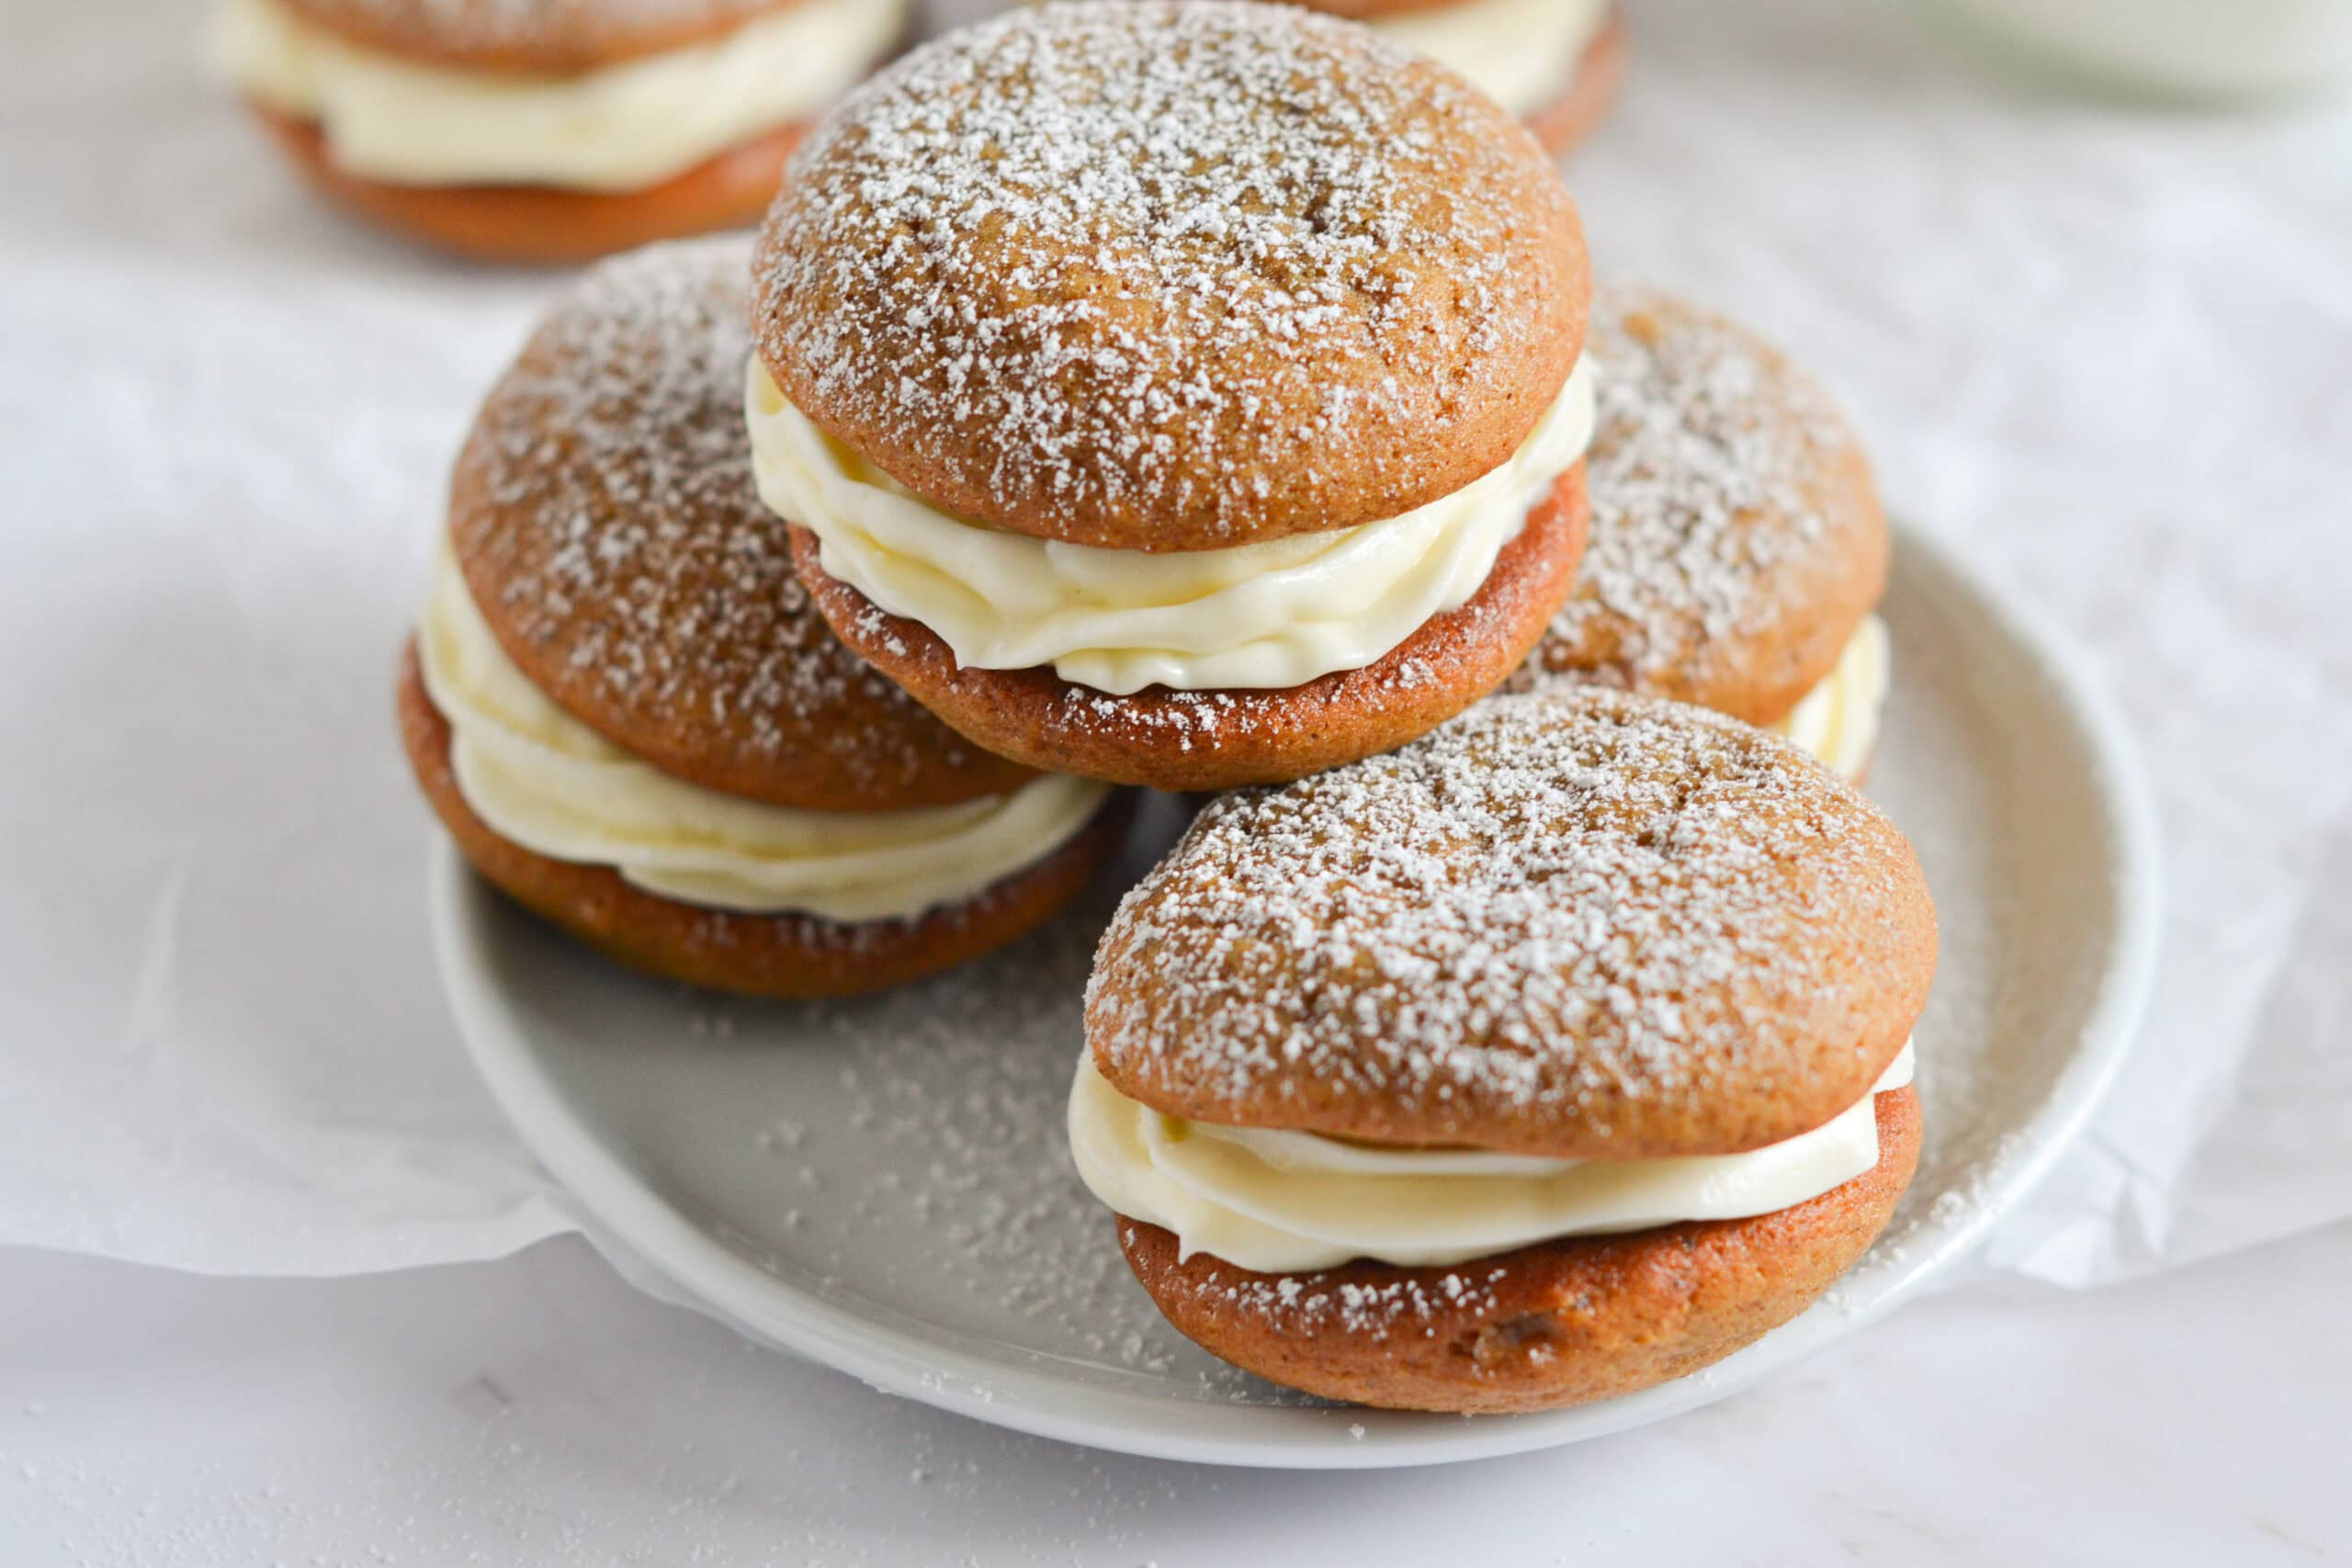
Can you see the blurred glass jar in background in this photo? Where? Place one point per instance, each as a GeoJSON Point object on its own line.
{"type": "Point", "coordinates": [2214, 49]}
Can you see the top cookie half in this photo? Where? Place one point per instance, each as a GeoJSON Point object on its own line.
{"type": "Point", "coordinates": [1582, 925]}
{"type": "Point", "coordinates": [1169, 277]}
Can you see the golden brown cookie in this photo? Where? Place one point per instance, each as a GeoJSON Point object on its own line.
{"type": "Point", "coordinates": [531, 37]}
{"type": "Point", "coordinates": [1581, 925]}
{"type": "Point", "coordinates": [1219, 739]}
{"type": "Point", "coordinates": [1737, 538]}
{"type": "Point", "coordinates": [621, 694]}
{"type": "Point", "coordinates": [1171, 277]}
{"type": "Point", "coordinates": [783, 956]}
{"type": "Point", "coordinates": [603, 514]}
{"type": "Point", "coordinates": [542, 224]}
{"type": "Point", "coordinates": [1556, 1324]}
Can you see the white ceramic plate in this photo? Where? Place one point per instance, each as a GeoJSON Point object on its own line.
{"type": "Point", "coordinates": [882, 1186]}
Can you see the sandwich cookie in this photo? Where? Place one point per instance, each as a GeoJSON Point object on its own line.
{"type": "Point", "coordinates": [548, 130]}
{"type": "Point", "coordinates": [1180, 394]}
{"type": "Point", "coordinates": [629, 715]}
{"type": "Point", "coordinates": [1556, 1055]}
{"type": "Point", "coordinates": [1557, 64]}
{"type": "Point", "coordinates": [1738, 548]}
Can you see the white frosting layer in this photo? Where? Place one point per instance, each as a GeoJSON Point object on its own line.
{"type": "Point", "coordinates": [1270, 614]}
{"type": "Point", "coordinates": [1521, 53]}
{"type": "Point", "coordinates": [551, 783]}
{"type": "Point", "coordinates": [623, 127]}
{"type": "Point", "coordinates": [1837, 720]}
{"type": "Point", "coordinates": [1279, 1202]}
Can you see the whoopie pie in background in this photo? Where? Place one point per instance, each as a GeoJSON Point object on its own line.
{"type": "Point", "coordinates": [1554, 63]}
{"type": "Point", "coordinates": [1738, 549]}
{"type": "Point", "coordinates": [548, 130]}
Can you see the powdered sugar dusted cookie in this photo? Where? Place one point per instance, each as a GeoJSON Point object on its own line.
{"type": "Point", "coordinates": [1176, 358]}
{"type": "Point", "coordinates": [1426, 1029]}
{"type": "Point", "coordinates": [632, 717]}
{"type": "Point", "coordinates": [1737, 546]}
{"type": "Point", "coordinates": [603, 515]}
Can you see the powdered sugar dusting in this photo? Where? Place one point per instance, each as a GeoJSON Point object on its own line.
{"type": "Point", "coordinates": [1180, 263]}
{"type": "Point", "coordinates": [1711, 478]}
{"type": "Point", "coordinates": [1580, 920]}
{"type": "Point", "coordinates": [938, 1163]}
{"type": "Point", "coordinates": [607, 490]}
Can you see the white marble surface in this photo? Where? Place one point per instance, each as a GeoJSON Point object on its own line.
{"type": "Point", "coordinates": [536, 1410]}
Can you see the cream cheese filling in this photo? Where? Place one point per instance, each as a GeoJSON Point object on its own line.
{"type": "Point", "coordinates": [618, 127]}
{"type": "Point", "coordinates": [1278, 1202]}
{"type": "Point", "coordinates": [1837, 721]}
{"type": "Point", "coordinates": [1521, 53]}
{"type": "Point", "coordinates": [1271, 614]}
{"type": "Point", "coordinates": [541, 778]}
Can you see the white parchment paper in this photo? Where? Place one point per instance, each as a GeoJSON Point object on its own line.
{"type": "Point", "coordinates": [2106, 351]}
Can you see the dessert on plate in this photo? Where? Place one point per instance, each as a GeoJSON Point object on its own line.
{"type": "Point", "coordinates": [547, 129]}
{"type": "Point", "coordinates": [1554, 63]}
{"type": "Point", "coordinates": [1737, 550]}
{"type": "Point", "coordinates": [1559, 1054]}
{"type": "Point", "coordinates": [1185, 394]}
{"type": "Point", "coordinates": [626, 711]}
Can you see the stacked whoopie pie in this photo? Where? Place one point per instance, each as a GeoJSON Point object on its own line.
{"type": "Point", "coordinates": [1197, 393]}
{"type": "Point", "coordinates": [547, 129]}
{"type": "Point", "coordinates": [1560, 1052]}
{"type": "Point", "coordinates": [1183, 395]}
{"type": "Point", "coordinates": [629, 716]}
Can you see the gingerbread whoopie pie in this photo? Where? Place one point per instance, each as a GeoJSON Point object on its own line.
{"type": "Point", "coordinates": [548, 130]}
{"type": "Point", "coordinates": [1738, 551]}
{"type": "Point", "coordinates": [1559, 1054]}
{"type": "Point", "coordinates": [1554, 63]}
{"type": "Point", "coordinates": [626, 710]}
{"type": "Point", "coordinates": [1185, 394]}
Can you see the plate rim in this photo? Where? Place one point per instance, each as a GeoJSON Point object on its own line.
{"type": "Point", "coordinates": [626, 1211]}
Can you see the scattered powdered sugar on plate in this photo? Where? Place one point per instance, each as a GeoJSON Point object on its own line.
{"type": "Point", "coordinates": [911, 1144]}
